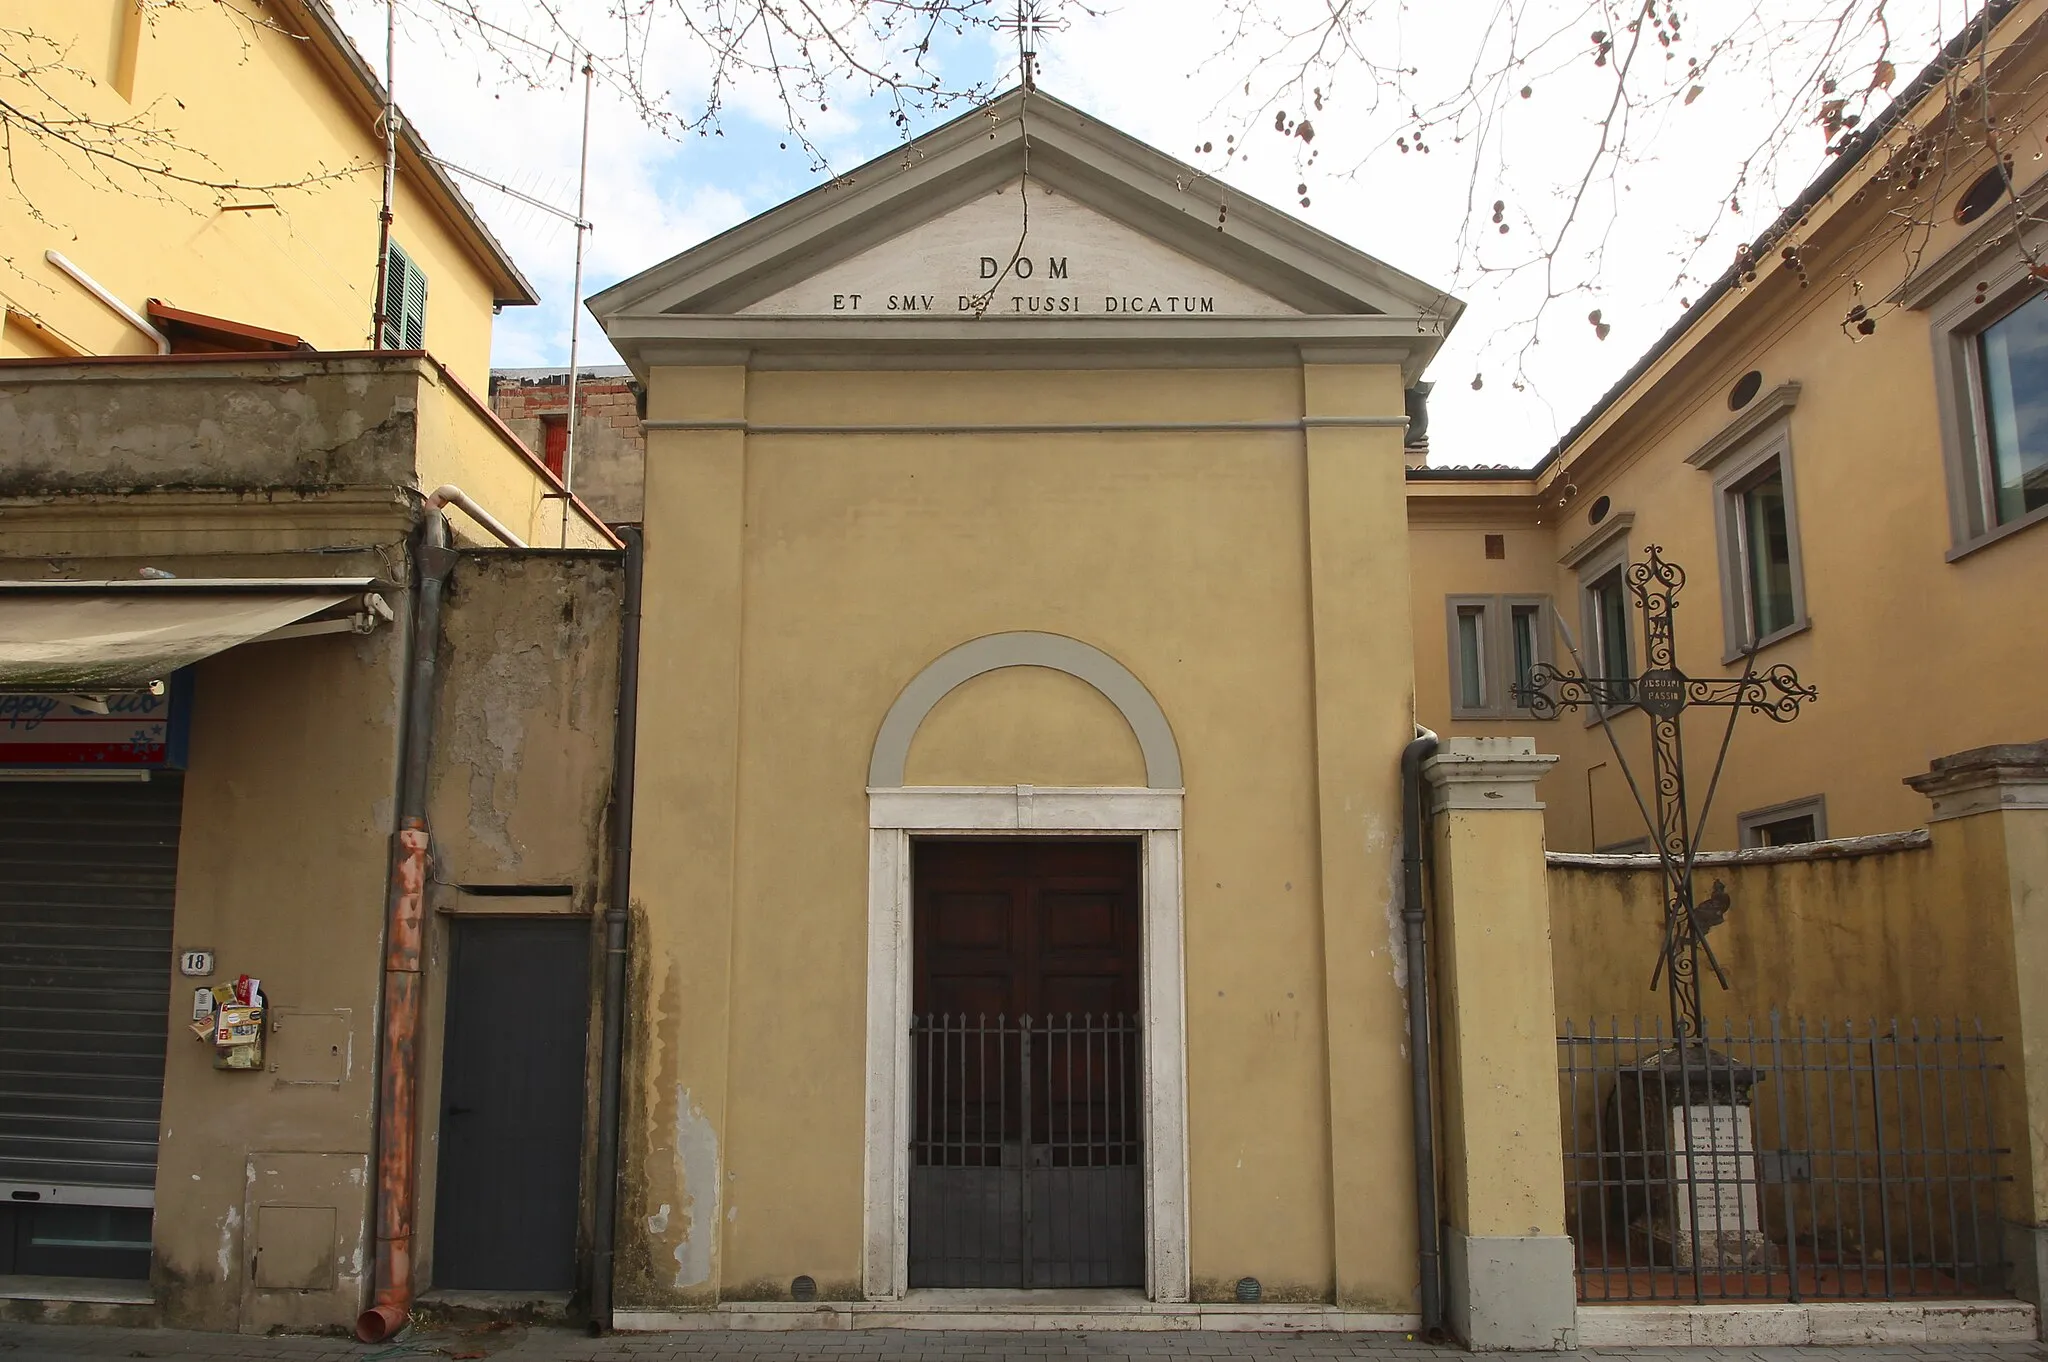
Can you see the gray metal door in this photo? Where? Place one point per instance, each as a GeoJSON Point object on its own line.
{"type": "Point", "coordinates": [512, 1104]}
{"type": "Point", "coordinates": [88, 875]}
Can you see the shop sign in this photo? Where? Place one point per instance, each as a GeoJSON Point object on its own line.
{"type": "Point", "coordinates": [135, 730]}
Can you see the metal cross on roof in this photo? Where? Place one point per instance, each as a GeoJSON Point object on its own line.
{"type": "Point", "coordinates": [1664, 693]}
{"type": "Point", "coordinates": [1029, 22]}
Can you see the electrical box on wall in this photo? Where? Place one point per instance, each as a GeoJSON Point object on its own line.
{"type": "Point", "coordinates": [230, 1018]}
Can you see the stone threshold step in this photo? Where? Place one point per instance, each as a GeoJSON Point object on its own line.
{"type": "Point", "coordinates": [89, 1290]}
{"type": "Point", "coordinates": [1831, 1323]}
{"type": "Point", "coordinates": [1017, 1312]}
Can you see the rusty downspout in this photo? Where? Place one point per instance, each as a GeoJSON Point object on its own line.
{"type": "Point", "coordinates": [397, 1052]}
{"type": "Point", "coordinates": [604, 1209]}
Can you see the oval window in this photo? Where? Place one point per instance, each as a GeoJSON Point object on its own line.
{"type": "Point", "coordinates": [1982, 196]}
{"type": "Point", "coordinates": [1745, 390]}
{"type": "Point", "coordinates": [1597, 512]}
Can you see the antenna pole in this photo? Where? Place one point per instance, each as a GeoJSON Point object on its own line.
{"type": "Point", "coordinates": [377, 315]}
{"type": "Point", "coordinates": [576, 302]}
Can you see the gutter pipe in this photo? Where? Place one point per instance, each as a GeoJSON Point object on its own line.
{"type": "Point", "coordinates": [617, 914]}
{"type": "Point", "coordinates": [448, 494]}
{"type": "Point", "coordinates": [120, 309]}
{"type": "Point", "coordinates": [1414, 818]}
{"type": "Point", "coordinates": [397, 1054]}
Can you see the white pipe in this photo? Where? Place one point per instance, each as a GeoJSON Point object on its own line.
{"type": "Point", "coordinates": [448, 494]}
{"type": "Point", "coordinates": [121, 309]}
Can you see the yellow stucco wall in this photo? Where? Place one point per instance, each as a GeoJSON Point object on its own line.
{"type": "Point", "coordinates": [1025, 726]}
{"type": "Point", "coordinates": [462, 443]}
{"type": "Point", "coordinates": [814, 577]}
{"type": "Point", "coordinates": [1503, 1171]}
{"type": "Point", "coordinates": [1934, 933]}
{"type": "Point", "coordinates": [1895, 624]}
{"type": "Point", "coordinates": [227, 80]}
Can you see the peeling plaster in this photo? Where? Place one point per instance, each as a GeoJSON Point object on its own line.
{"type": "Point", "coordinates": [658, 1222]}
{"type": "Point", "coordinates": [697, 1166]}
{"type": "Point", "coordinates": [229, 1223]}
{"type": "Point", "coordinates": [1379, 841]}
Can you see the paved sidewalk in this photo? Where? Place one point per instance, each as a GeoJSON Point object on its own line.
{"type": "Point", "coordinates": [21, 1343]}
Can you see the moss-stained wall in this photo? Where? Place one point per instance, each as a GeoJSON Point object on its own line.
{"type": "Point", "coordinates": [521, 784]}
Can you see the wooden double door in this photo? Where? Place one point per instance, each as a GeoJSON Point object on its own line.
{"type": "Point", "coordinates": [1027, 1144]}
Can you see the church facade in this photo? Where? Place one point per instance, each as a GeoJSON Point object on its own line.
{"type": "Point", "coordinates": [1017, 810]}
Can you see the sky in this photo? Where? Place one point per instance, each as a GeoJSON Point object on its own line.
{"type": "Point", "coordinates": [1645, 235]}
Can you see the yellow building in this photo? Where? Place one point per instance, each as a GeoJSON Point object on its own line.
{"type": "Point", "coordinates": [262, 123]}
{"type": "Point", "coordinates": [1837, 444]}
{"type": "Point", "coordinates": [1036, 748]}
{"type": "Point", "coordinates": [233, 530]}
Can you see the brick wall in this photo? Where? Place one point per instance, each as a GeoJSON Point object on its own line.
{"type": "Point", "coordinates": [611, 449]}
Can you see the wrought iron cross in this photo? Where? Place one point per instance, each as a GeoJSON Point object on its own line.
{"type": "Point", "coordinates": [1664, 693]}
{"type": "Point", "coordinates": [1029, 23]}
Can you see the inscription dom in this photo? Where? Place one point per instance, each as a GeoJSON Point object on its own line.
{"type": "Point", "coordinates": [992, 269]}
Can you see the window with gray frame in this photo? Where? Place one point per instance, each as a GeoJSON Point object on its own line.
{"type": "Point", "coordinates": [1756, 518]}
{"type": "Point", "coordinates": [2012, 375]}
{"type": "Point", "coordinates": [1800, 820]}
{"type": "Point", "coordinates": [1495, 643]}
{"type": "Point", "coordinates": [1763, 552]}
{"type": "Point", "coordinates": [1990, 325]}
{"type": "Point", "coordinates": [1605, 602]}
{"type": "Point", "coordinates": [1607, 608]}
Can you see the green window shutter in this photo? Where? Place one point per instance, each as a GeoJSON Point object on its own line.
{"type": "Point", "coordinates": [405, 302]}
{"type": "Point", "coordinates": [396, 267]}
{"type": "Point", "coordinates": [415, 313]}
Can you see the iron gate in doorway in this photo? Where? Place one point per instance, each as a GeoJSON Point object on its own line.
{"type": "Point", "coordinates": [1026, 1152]}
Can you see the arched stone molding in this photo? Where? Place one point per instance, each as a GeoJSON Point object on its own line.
{"type": "Point", "coordinates": [1151, 815]}
{"type": "Point", "coordinates": [993, 652]}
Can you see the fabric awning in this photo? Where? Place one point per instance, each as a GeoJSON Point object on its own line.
{"type": "Point", "coordinates": [95, 637]}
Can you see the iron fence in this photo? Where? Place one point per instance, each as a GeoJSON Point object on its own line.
{"type": "Point", "coordinates": [1026, 1152]}
{"type": "Point", "coordinates": [1789, 1162]}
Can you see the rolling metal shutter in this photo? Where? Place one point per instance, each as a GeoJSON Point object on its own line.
{"type": "Point", "coordinates": [87, 874]}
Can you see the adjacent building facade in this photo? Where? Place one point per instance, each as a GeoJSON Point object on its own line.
{"type": "Point", "coordinates": [610, 452]}
{"type": "Point", "coordinates": [223, 502]}
{"type": "Point", "coordinates": [1837, 444]}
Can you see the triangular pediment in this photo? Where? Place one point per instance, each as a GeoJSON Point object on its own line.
{"type": "Point", "coordinates": [1021, 249]}
{"type": "Point", "coordinates": [1025, 211]}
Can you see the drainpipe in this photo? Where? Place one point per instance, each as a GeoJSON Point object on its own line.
{"type": "Point", "coordinates": [119, 308]}
{"type": "Point", "coordinates": [1414, 817]}
{"type": "Point", "coordinates": [610, 1064]}
{"type": "Point", "coordinates": [397, 1054]}
{"type": "Point", "coordinates": [448, 494]}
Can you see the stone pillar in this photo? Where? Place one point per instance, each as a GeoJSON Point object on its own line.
{"type": "Point", "coordinates": [1507, 1259]}
{"type": "Point", "coordinates": [1990, 822]}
